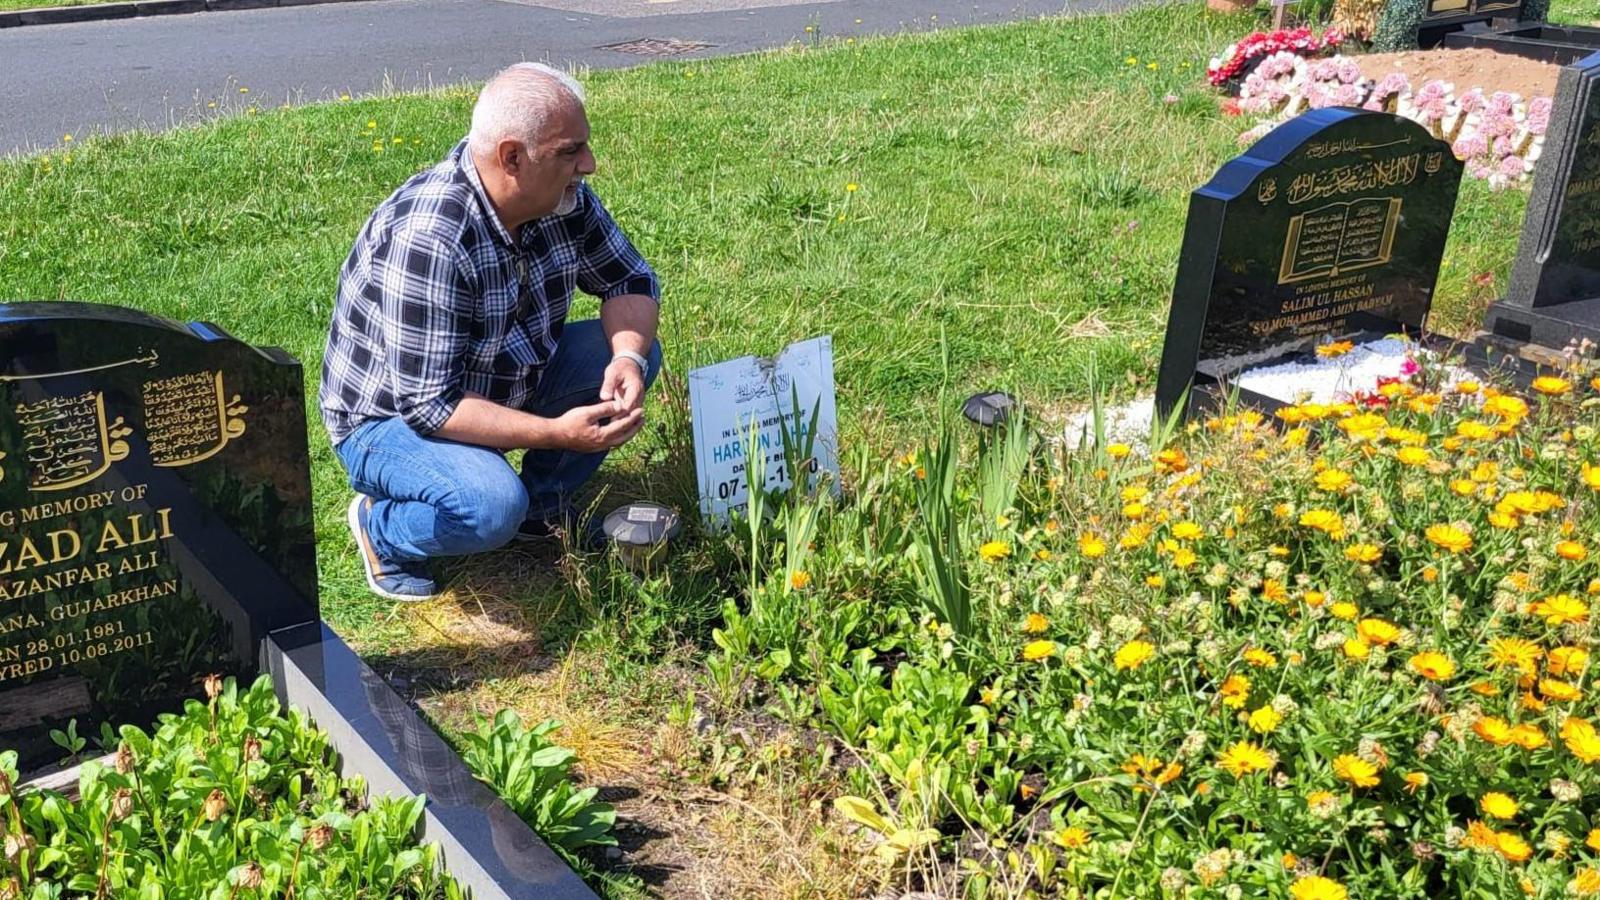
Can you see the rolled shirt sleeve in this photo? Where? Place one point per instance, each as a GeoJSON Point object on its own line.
{"type": "Point", "coordinates": [425, 301]}
{"type": "Point", "coordinates": [609, 265]}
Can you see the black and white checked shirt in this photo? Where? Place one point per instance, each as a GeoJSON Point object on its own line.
{"type": "Point", "coordinates": [437, 299]}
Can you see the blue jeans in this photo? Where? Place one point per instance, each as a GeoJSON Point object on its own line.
{"type": "Point", "coordinates": [433, 497]}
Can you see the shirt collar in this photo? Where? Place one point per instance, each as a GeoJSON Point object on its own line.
{"type": "Point", "coordinates": [470, 170]}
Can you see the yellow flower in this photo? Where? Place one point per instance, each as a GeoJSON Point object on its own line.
{"type": "Point", "coordinates": [1155, 581]}
{"type": "Point", "coordinates": [1415, 781]}
{"type": "Point", "coordinates": [1118, 451]}
{"type": "Point", "coordinates": [1498, 805]}
{"type": "Point", "coordinates": [1243, 758]}
{"type": "Point", "coordinates": [1463, 487]}
{"type": "Point", "coordinates": [1559, 691]}
{"type": "Point", "coordinates": [1333, 481]}
{"type": "Point", "coordinates": [1377, 631]}
{"type": "Point", "coordinates": [1551, 385]}
{"type": "Point", "coordinates": [1072, 838]}
{"type": "Point", "coordinates": [1568, 661]}
{"type": "Point", "coordinates": [1184, 558]}
{"type": "Point", "coordinates": [1355, 648]}
{"type": "Point", "coordinates": [1518, 653]}
{"type": "Point", "coordinates": [1264, 720]}
{"type": "Point", "coordinates": [1593, 840]}
{"type": "Point", "coordinates": [1363, 553]}
{"type": "Point", "coordinates": [1035, 623]}
{"type": "Point", "coordinates": [1235, 691]}
{"type": "Point", "coordinates": [1413, 456]}
{"type": "Point", "coordinates": [1274, 591]}
{"type": "Point", "coordinates": [1528, 736]}
{"type": "Point", "coordinates": [1324, 520]}
{"type": "Point", "coordinates": [1466, 387]}
{"type": "Point", "coordinates": [1571, 551]}
{"type": "Point", "coordinates": [1188, 531]}
{"type": "Point", "coordinates": [1585, 882]}
{"type": "Point", "coordinates": [1091, 545]}
{"type": "Point", "coordinates": [852, 187]}
{"type": "Point", "coordinates": [1474, 431]}
{"type": "Point", "coordinates": [1591, 476]}
{"type": "Point", "coordinates": [1561, 609]}
{"type": "Point", "coordinates": [1513, 848]}
{"type": "Point", "coordinates": [799, 579]}
{"type": "Point", "coordinates": [1449, 537]}
{"type": "Point", "coordinates": [1433, 666]}
{"type": "Point", "coordinates": [1581, 738]}
{"type": "Point", "coordinates": [994, 550]}
{"type": "Point", "coordinates": [1317, 887]}
{"type": "Point", "coordinates": [1505, 406]}
{"type": "Point", "coordinates": [1354, 769]}
{"type": "Point", "coordinates": [1365, 426]}
{"type": "Point", "coordinates": [1035, 651]}
{"type": "Point", "coordinates": [1260, 658]}
{"type": "Point", "coordinates": [1334, 349]}
{"type": "Point", "coordinates": [1344, 609]}
{"type": "Point", "coordinates": [1133, 654]}
{"type": "Point", "coordinates": [1493, 729]}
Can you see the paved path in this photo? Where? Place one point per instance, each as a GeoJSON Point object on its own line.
{"type": "Point", "coordinates": [162, 71]}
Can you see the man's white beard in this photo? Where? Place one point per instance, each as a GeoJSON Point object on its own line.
{"type": "Point", "coordinates": [569, 201]}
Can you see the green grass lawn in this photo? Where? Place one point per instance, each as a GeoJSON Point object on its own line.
{"type": "Point", "coordinates": [1020, 190]}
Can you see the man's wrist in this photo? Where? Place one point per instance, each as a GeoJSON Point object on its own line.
{"type": "Point", "coordinates": [635, 358]}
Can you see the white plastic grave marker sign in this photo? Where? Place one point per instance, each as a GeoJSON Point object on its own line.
{"type": "Point", "coordinates": [741, 401]}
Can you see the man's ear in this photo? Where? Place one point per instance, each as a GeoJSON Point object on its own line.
{"type": "Point", "coordinates": [512, 156]}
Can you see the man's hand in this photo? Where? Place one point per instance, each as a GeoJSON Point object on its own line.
{"type": "Point", "coordinates": [624, 384]}
{"type": "Point", "coordinates": [585, 430]}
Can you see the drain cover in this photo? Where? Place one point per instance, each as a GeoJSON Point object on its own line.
{"type": "Point", "coordinates": [657, 47]}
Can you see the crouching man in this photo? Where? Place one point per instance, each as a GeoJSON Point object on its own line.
{"type": "Point", "coordinates": [450, 342]}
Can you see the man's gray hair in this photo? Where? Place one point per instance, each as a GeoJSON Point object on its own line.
{"type": "Point", "coordinates": [517, 102]}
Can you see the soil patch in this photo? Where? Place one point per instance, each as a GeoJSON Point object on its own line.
{"type": "Point", "coordinates": [1467, 69]}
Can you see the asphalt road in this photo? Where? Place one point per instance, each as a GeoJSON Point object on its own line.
{"type": "Point", "coordinates": [164, 71]}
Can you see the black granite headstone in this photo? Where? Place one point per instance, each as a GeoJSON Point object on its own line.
{"type": "Point", "coordinates": [1332, 225]}
{"type": "Point", "coordinates": [155, 515]}
{"type": "Point", "coordinates": [1554, 293]}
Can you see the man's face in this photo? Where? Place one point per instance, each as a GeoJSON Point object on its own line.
{"type": "Point", "coordinates": [548, 181]}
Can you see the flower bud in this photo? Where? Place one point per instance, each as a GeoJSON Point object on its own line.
{"type": "Point", "coordinates": [213, 685]}
{"type": "Point", "coordinates": [250, 876]}
{"type": "Point", "coordinates": [252, 749]}
{"type": "Point", "coordinates": [121, 804]}
{"type": "Point", "coordinates": [320, 836]}
{"type": "Point", "coordinates": [215, 805]}
{"type": "Point", "coordinates": [124, 760]}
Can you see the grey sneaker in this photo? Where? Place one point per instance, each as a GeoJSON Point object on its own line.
{"type": "Point", "coordinates": [407, 582]}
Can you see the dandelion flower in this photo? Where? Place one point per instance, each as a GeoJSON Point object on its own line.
{"type": "Point", "coordinates": [1091, 546]}
{"type": "Point", "coordinates": [1260, 658]}
{"type": "Point", "coordinates": [1324, 520]}
{"type": "Point", "coordinates": [994, 550]}
{"type": "Point", "coordinates": [1415, 781]}
{"type": "Point", "coordinates": [1567, 661]}
{"type": "Point", "coordinates": [1035, 623]}
{"type": "Point", "coordinates": [799, 579]}
{"type": "Point", "coordinates": [1333, 481]}
{"type": "Point", "coordinates": [1072, 838]}
{"type": "Point", "coordinates": [1335, 349]}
